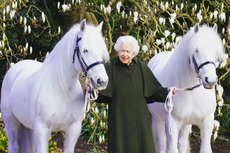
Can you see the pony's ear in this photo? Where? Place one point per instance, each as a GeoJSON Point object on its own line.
{"type": "Point", "coordinates": [82, 25]}
{"type": "Point", "coordinates": [196, 28]}
{"type": "Point", "coordinates": [99, 27]}
{"type": "Point", "coordinates": [215, 27]}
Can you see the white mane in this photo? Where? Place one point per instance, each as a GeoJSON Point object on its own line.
{"type": "Point", "coordinates": [178, 67]}
{"type": "Point", "coordinates": [58, 69]}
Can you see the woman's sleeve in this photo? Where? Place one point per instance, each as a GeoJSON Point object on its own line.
{"type": "Point", "coordinates": [103, 99]}
{"type": "Point", "coordinates": [158, 96]}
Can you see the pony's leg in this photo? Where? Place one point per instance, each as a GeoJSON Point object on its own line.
{"type": "Point", "coordinates": [42, 134]}
{"type": "Point", "coordinates": [172, 130]}
{"type": "Point", "coordinates": [72, 134]}
{"type": "Point", "coordinates": [183, 140]}
{"type": "Point", "coordinates": [11, 127]}
{"type": "Point", "coordinates": [161, 139]}
{"type": "Point", "coordinates": [206, 133]}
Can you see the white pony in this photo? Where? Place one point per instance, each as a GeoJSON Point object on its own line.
{"type": "Point", "coordinates": [38, 98]}
{"type": "Point", "coordinates": [196, 56]}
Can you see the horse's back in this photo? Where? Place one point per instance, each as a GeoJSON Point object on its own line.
{"type": "Point", "coordinates": [18, 74]}
{"type": "Point", "coordinates": [158, 62]}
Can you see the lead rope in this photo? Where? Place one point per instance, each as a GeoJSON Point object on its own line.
{"type": "Point", "coordinates": [168, 105]}
{"type": "Point", "coordinates": [90, 95]}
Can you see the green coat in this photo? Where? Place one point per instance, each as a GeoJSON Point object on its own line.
{"type": "Point", "coordinates": [128, 91]}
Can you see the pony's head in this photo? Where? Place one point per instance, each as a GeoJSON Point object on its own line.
{"type": "Point", "coordinates": [89, 54]}
{"type": "Point", "coordinates": [205, 51]}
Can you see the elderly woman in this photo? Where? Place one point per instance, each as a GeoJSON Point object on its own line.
{"type": "Point", "coordinates": [131, 86]}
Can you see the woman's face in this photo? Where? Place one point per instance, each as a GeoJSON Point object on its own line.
{"type": "Point", "coordinates": [126, 53]}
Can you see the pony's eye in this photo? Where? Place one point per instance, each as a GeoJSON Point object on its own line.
{"type": "Point", "coordinates": [86, 51]}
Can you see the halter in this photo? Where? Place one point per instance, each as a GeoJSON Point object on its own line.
{"type": "Point", "coordinates": [197, 68]}
{"type": "Point", "coordinates": [82, 62]}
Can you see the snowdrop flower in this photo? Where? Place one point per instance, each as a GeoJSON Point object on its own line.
{"type": "Point", "coordinates": [181, 6]}
{"type": "Point", "coordinates": [229, 31]}
{"type": "Point", "coordinates": [223, 30]}
{"type": "Point", "coordinates": [215, 135]}
{"type": "Point", "coordinates": [102, 6]}
{"type": "Point", "coordinates": [135, 16]}
{"type": "Point", "coordinates": [96, 110]}
{"type": "Point", "coordinates": [123, 14]}
{"type": "Point", "coordinates": [211, 15]}
{"type": "Point", "coordinates": [58, 5]}
{"type": "Point", "coordinates": [167, 33]}
{"type": "Point", "coordinates": [59, 29]}
{"type": "Point", "coordinates": [223, 64]}
{"type": "Point", "coordinates": [216, 124]}
{"type": "Point", "coordinates": [11, 64]}
{"type": "Point", "coordinates": [222, 16]}
{"type": "Point", "coordinates": [7, 9]}
{"type": "Point", "coordinates": [109, 9]}
{"type": "Point", "coordinates": [12, 13]}
{"type": "Point", "coordinates": [3, 36]}
{"type": "Point", "coordinates": [144, 48]}
{"type": "Point", "coordinates": [178, 39]}
{"type": "Point", "coordinates": [100, 139]}
{"type": "Point", "coordinates": [64, 7]}
{"type": "Point", "coordinates": [4, 12]}
{"type": "Point", "coordinates": [20, 20]}
{"type": "Point", "coordinates": [31, 49]}
{"type": "Point", "coordinates": [25, 28]}
{"type": "Point", "coordinates": [118, 6]}
{"type": "Point", "coordinates": [166, 5]}
{"type": "Point", "coordinates": [220, 90]}
{"type": "Point", "coordinates": [104, 113]}
{"type": "Point", "coordinates": [221, 102]}
{"type": "Point", "coordinates": [167, 45]}
{"type": "Point", "coordinates": [224, 41]}
{"type": "Point", "coordinates": [29, 29]}
{"type": "Point", "coordinates": [215, 13]}
{"type": "Point", "coordinates": [43, 17]}
{"type": "Point", "coordinates": [158, 42]}
{"type": "Point", "coordinates": [173, 35]}
{"type": "Point", "coordinates": [161, 20]}
{"type": "Point", "coordinates": [24, 21]}
{"type": "Point", "coordinates": [162, 40]}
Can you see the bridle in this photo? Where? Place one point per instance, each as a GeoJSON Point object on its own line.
{"type": "Point", "coordinates": [197, 68]}
{"type": "Point", "coordinates": [85, 68]}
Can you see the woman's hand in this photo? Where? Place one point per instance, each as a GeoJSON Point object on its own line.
{"type": "Point", "coordinates": [174, 90]}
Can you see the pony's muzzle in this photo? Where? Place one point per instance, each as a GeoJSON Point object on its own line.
{"type": "Point", "coordinates": [209, 82]}
{"type": "Point", "coordinates": [100, 83]}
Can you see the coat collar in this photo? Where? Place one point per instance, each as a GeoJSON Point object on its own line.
{"type": "Point", "coordinates": [117, 60]}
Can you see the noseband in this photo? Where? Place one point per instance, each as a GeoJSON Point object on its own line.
{"type": "Point", "coordinates": [197, 68]}
{"type": "Point", "coordinates": [85, 68]}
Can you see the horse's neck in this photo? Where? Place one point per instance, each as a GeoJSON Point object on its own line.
{"type": "Point", "coordinates": [179, 72]}
{"type": "Point", "coordinates": [58, 75]}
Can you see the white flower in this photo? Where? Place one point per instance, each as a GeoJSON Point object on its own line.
{"type": "Point", "coordinates": [96, 110]}
{"type": "Point", "coordinates": [166, 5]}
{"type": "Point", "coordinates": [161, 20]}
{"type": "Point", "coordinates": [181, 6]}
{"type": "Point", "coordinates": [173, 35]}
{"type": "Point", "coordinates": [123, 14]}
{"type": "Point", "coordinates": [167, 33]}
{"type": "Point", "coordinates": [223, 30]}
{"type": "Point", "coordinates": [100, 139]}
{"type": "Point", "coordinates": [118, 6]}
{"type": "Point", "coordinates": [222, 16]}
{"type": "Point", "coordinates": [104, 113]}
{"type": "Point", "coordinates": [220, 90]}
{"type": "Point", "coordinates": [11, 64]}
{"type": "Point", "coordinates": [211, 15]}
{"type": "Point", "coordinates": [215, 135]}
{"type": "Point", "coordinates": [167, 45]}
{"type": "Point", "coordinates": [92, 120]}
{"type": "Point", "coordinates": [158, 41]}
{"type": "Point", "coordinates": [59, 29]}
{"type": "Point", "coordinates": [12, 13]}
{"type": "Point", "coordinates": [135, 16]}
{"type": "Point", "coordinates": [221, 102]}
{"type": "Point", "coordinates": [109, 9]}
{"type": "Point", "coordinates": [29, 29]}
{"type": "Point", "coordinates": [178, 39]}
{"type": "Point", "coordinates": [58, 5]}
{"type": "Point", "coordinates": [31, 49]}
{"type": "Point", "coordinates": [64, 7]}
{"type": "Point", "coordinates": [144, 48]}
{"type": "Point", "coordinates": [25, 28]}
{"type": "Point", "coordinates": [43, 17]}
{"type": "Point", "coordinates": [25, 21]}
{"type": "Point", "coordinates": [162, 40]}
{"type": "Point", "coordinates": [3, 36]}
{"type": "Point", "coordinates": [215, 13]}
{"type": "Point", "coordinates": [7, 9]}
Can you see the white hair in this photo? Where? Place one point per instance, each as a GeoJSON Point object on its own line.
{"type": "Point", "coordinates": [127, 40]}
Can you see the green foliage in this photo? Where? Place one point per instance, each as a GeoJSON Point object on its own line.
{"type": "Point", "coordinates": [95, 125]}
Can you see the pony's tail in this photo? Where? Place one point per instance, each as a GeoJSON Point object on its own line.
{"type": "Point", "coordinates": [26, 140]}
